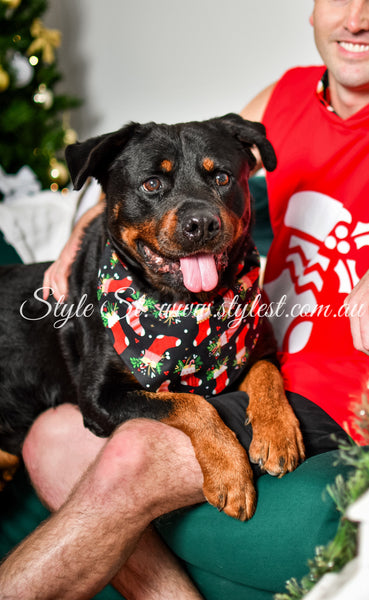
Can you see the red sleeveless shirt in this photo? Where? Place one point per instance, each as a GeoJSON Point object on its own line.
{"type": "Point", "coordinates": [319, 209]}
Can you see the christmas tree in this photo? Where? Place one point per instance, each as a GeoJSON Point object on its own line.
{"type": "Point", "coordinates": [33, 117]}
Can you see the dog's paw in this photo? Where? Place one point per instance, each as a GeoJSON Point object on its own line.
{"type": "Point", "coordinates": [228, 477]}
{"type": "Point", "coordinates": [228, 483]}
{"type": "Point", "coordinates": [277, 444]}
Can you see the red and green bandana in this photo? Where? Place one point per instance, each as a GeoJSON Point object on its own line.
{"type": "Point", "coordinates": [194, 347]}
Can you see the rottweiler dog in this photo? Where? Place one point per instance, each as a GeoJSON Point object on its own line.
{"type": "Point", "coordinates": [163, 309]}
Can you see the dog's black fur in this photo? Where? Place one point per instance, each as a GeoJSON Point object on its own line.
{"type": "Point", "coordinates": [177, 190]}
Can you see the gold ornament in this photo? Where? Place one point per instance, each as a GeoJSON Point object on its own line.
{"type": "Point", "coordinates": [12, 3]}
{"type": "Point", "coordinates": [58, 172]}
{"type": "Point", "coordinates": [70, 136]}
{"type": "Point", "coordinates": [46, 40]}
{"type": "Point", "coordinates": [4, 80]}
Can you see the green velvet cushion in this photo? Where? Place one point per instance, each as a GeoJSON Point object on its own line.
{"type": "Point", "coordinates": [294, 515]}
{"type": "Point", "coordinates": [20, 513]}
{"type": "Point", "coordinates": [8, 254]}
{"type": "Point", "coordinates": [262, 231]}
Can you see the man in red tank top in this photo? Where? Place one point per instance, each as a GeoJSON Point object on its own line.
{"type": "Point", "coordinates": [319, 257]}
{"type": "Point", "coordinates": [318, 121]}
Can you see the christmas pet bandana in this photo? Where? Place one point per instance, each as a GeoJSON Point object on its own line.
{"type": "Point", "coordinates": [196, 347]}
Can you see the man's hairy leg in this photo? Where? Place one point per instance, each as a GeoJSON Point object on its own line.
{"type": "Point", "coordinates": [144, 470]}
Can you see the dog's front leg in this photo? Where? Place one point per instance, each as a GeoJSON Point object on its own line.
{"type": "Point", "coordinates": [228, 477]}
{"type": "Point", "coordinates": [111, 396]}
{"type": "Point", "coordinates": [277, 444]}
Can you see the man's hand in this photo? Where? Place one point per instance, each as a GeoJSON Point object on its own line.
{"type": "Point", "coordinates": [357, 303]}
{"type": "Point", "coordinates": [56, 276]}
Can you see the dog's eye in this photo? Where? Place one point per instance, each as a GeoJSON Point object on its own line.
{"type": "Point", "coordinates": [152, 185]}
{"type": "Point", "coordinates": [222, 178]}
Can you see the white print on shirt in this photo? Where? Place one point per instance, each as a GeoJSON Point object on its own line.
{"type": "Point", "coordinates": [316, 221]}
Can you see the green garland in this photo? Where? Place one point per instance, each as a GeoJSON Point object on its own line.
{"type": "Point", "coordinates": [343, 548]}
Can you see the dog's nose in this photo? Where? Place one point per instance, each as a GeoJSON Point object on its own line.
{"type": "Point", "coordinates": [201, 227]}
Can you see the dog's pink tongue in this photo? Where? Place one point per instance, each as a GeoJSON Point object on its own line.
{"type": "Point", "coordinates": [199, 273]}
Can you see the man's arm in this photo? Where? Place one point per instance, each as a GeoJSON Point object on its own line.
{"type": "Point", "coordinates": [56, 276]}
{"type": "Point", "coordinates": [358, 311]}
{"type": "Point", "coordinates": [254, 111]}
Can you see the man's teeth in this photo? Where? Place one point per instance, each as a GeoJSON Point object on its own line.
{"type": "Point", "coordinates": [354, 47]}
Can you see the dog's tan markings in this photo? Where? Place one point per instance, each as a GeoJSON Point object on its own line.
{"type": "Point", "coordinates": [145, 232]}
{"type": "Point", "coordinates": [129, 236]}
{"type": "Point", "coordinates": [208, 164]}
{"type": "Point", "coordinates": [155, 235]}
{"type": "Point", "coordinates": [8, 466]}
{"type": "Point", "coordinates": [116, 210]}
{"type": "Point", "coordinates": [228, 477]}
{"type": "Point", "coordinates": [168, 226]}
{"type": "Point", "coordinates": [234, 227]}
{"type": "Point", "coordinates": [277, 443]}
{"type": "Point", "coordinates": [167, 165]}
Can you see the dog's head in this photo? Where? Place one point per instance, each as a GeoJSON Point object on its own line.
{"type": "Point", "coordinates": [178, 203]}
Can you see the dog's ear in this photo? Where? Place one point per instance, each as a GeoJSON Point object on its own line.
{"type": "Point", "coordinates": [251, 133]}
{"type": "Point", "coordinates": [93, 157]}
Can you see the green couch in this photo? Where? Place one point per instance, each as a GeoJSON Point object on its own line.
{"type": "Point", "coordinates": [227, 559]}
{"type": "Point", "coordinates": [230, 560]}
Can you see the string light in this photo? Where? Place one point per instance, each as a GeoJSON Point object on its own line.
{"type": "Point", "coordinates": [43, 96]}
{"type": "Point", "coordinates": [54, 173]}
{"type": "Point", "coordinates": [58, 172]}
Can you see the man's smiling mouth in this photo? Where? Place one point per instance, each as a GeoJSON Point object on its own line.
{"type": "Point", "coordinates": [352, 47]}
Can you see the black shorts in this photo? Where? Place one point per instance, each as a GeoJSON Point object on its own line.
{"type": "Point", "coordinates": [320, 432]}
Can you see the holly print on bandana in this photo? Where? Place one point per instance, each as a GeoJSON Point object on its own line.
{"type": "Point", "coordinates": [193, 347]}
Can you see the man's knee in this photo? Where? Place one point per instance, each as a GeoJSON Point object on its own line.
{"type": "Point", "coordinates": [48, 430]}
{"type": "Point", "coordinates": [57, 451]}
{"type": "Point", "coordinates": [132, 450]}
{"type": "Point", "coordinates": [59, 443]}
{"type": "Point", "coordinates": [142, 462]}
{"type": "Point", "coordinates": [152, 461]}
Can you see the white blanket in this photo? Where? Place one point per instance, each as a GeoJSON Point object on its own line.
{"type": "Point", "coordinates": [38, 223]}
